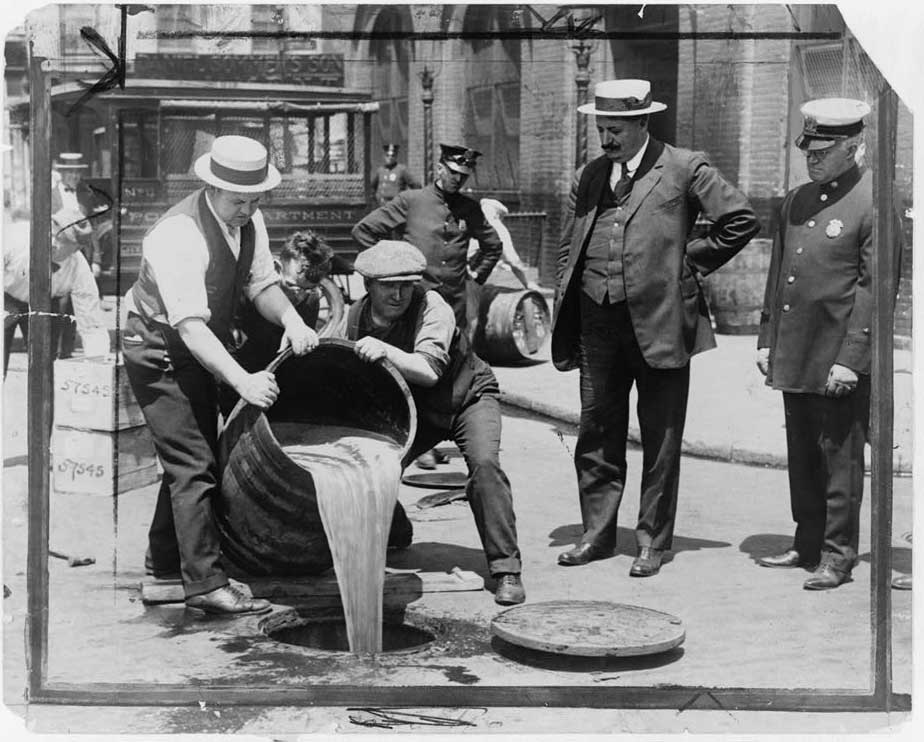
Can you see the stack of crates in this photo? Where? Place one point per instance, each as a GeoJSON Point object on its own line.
{"type": "Point", "coordinates": [100, 444]}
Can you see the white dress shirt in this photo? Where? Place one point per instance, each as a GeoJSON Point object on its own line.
{"type": "Point", "coordinates": [631, 165]}
{"type": "Point", "coordinates": [178, 256]}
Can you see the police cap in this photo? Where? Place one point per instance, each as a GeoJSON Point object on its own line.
{"type": "Point", "coordinates": [460, 159]}
{"type": "Point", "coordinates": [827, 121]}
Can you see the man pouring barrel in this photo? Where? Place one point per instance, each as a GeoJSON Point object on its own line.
{"type": "Point", "coordinates": [197, 261]}
{"type": "Point", "coordinates": [456, 393]}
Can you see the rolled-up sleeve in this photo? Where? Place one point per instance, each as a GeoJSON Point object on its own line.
{"type": "Point", "coordinates": [436, 324]}
{"type": "Point", "coordinates": [262, 271]}
{"type": "Point", "coordinates": [178, 257]}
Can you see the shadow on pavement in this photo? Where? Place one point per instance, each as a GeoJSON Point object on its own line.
{"type": "Point", "coordinates": [432, 556]}
{"type": "Point", "coordinates": [570, 663]}
{"type": "Point", "coordinates": [625, 540]}
{"type": "Point", "coordinates": [764, 545]}
{"type": "Point", "coordinates": [902, 559]}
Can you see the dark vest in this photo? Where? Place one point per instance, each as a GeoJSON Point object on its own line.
{"type": "Point", "coordinates": [602, 276]}
{"type": "Point", "coordinates": [466, 376]}
{"type": "Point", "coordinates": [225, 276]}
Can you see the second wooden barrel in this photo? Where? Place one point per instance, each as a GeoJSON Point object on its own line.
{"type": "Point", "coordinates": [736, 290]}
{"type": "Point", "coordinates": [513, 327]}
{"type": "Point", "coordinates": [267, 511]}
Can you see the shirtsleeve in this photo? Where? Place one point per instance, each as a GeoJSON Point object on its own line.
{"type": "Point", "coordinates": [262, 270]}
{"type": "Point", "coordinates": [178, 257]}
{"type": "Point", "coordinates": [436, 324]}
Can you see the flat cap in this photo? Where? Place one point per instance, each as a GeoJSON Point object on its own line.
{"type": "Point", "coordinates": [458, 158]}
{"type": "Point", "coordinates": [825, 121]}
{"type": "Point", "coordinates": [391, 260]}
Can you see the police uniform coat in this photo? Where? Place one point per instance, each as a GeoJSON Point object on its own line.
{"type": "Point", "coordinates": [818, 304]}
{"type": "Point", "coordinates": [440, 226]}
{"type": "Point", "coordinates": [662, 265]}
{"type": "Point", "coordinates": [388, 182]}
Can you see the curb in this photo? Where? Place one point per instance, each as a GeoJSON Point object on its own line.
{"type": "Point", "coordinates": [699, 449]}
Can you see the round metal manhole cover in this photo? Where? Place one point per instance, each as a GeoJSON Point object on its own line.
{"type": "Point", "coordinates": [443, 480]}
{"type": "Point", "coordinates": [589, 628]}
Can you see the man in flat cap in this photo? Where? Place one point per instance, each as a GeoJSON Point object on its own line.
{"type": "Point", "coordinates": [455, 392]}
{"type": "Point", "coordinates": [439, 221]}
{"type": "Point", "coordinates": [629, 309]}
{"type": "Point", "coordinates": [814, 342]}
{"type": "Point", "coordinates": [391, 177]}
{"type": "Point", "coordinates": [197, 261]}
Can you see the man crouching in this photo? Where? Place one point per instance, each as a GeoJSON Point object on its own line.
{"type": "Point", "coordinates": [456, 394]}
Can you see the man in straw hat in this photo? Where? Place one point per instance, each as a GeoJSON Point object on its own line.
{"type": "Point", "coordinates": [455, 392]}
{"type": "Point", "coordinates": [814, 342]}
{"type": "Point", "coordinates": [197, 261]}
{"type": "Point", "coordinates": [391, 177]}
{"type": "Point", "coordinates": [630, 309]}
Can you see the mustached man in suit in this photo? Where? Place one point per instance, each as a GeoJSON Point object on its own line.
{"type": "Point", "coordinates": [630, 310]}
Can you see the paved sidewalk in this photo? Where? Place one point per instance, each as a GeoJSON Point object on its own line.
{"type": "Point", "coordinates": [732, 415]}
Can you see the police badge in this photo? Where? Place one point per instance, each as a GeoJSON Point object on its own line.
{"type": "Point", "coordinates": [834, 228]}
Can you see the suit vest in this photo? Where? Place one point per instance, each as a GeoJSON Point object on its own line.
{"type": "Point", "coordinates": [225, 276]}
{"type": "Point", "coordinates": [466, 376]}
{"type": "Point", "coordinates": [602, 276]}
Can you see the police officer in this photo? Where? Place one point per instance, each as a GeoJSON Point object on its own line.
{"type": "Point", "coordinates": [439, 221]}
{"type": "Point", "coordinates": [814, 342]}
{"type": "Point", "coordinates": [455, 393]}
{"type": "Point", "coordinates": [391, 177]}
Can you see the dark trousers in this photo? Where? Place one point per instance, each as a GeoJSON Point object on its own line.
{"type": "Point", "coordinates": [476, 430]}
{"type": "Point", "coordinates": [18, 316]}
{"type": "Point", "coordinates": [611, 362]}
{"type": "Point", "coordinates": [179, 400]}
{"type": "Point", "coordinates": [825, 437]}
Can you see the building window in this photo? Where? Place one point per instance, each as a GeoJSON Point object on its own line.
{"type": "Point", "coordinates": [391, 58]}
{"type": "Point", "coordinates": [266, 21]}
{"type": "Point", "coordinates": [492, 99]}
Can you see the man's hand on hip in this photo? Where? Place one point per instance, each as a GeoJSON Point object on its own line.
{"type": "Point", "coordinates": [763, 360]}
{"type": "Point", "coordinates": [841, 381]}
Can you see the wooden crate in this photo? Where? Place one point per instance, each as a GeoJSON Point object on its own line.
{"type": "Point", "coordinates": [96, 462]}
{"type": "Point", "coordinates": [94, 394]}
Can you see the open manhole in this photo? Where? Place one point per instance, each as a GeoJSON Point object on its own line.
{"type": "Point", "coordinates": [328, 633]}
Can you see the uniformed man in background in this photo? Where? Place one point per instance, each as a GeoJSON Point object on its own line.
{"type": "Point", "coordinates": [391, 177]}
{"type": "Point", "coordinates": [814, 342]}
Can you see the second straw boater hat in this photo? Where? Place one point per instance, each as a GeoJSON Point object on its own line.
{"type": "Point", "coordinates": [622, 98]}
{"type": "Point", "coordinates": [238, 164]}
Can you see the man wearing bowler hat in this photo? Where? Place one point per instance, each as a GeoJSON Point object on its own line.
{"type": "Point", "coordinates": [197, 261]}
{"type": "Point", "coordinates": [814, 342]}
{"type": "Point", "coordinates": [455, 393]}
{"type": "Point", "coordinates": [391, 177]}
{"type": "Point", "coordinates": [629, 308]}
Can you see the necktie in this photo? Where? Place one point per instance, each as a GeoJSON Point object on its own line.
{"type": "Point", "coordinates": [68, 189]}
{"type": "Point", "coordinates": [623, 185]}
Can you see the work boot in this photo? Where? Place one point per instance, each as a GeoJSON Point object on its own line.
{"type": "Point", "coordinates": [647, 563]}
{"type": "Point", "coordinates": [901, 582]}
{"type": "Point", "coordinates": [509, 589]}
{"type": "Point", "coordinates": [426, 460]}
{"type": "Point", "coordinates": [787, 560]}
{"type": "Point", "coordinates": [228, 600]}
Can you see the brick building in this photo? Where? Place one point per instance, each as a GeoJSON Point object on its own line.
{"type": "Point", "coordinates": [505, 81]}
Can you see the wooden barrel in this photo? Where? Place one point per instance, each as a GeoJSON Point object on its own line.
{"type": "Point", "coordinates": [514, 325]}
{"type": "Point", "coordinates": [736, 290]}
{"type": "Point", "coordinates": [267, 512]}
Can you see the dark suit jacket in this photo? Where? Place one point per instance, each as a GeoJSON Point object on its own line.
{"type": "Point", "coordinates": [662, 264]}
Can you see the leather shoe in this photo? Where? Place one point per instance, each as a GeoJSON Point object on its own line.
{"type": "Point", "coordinates": [826, 577]}
{"type": "Point", "coordinates": [509, 589]}
{"type": "Point", "coordinates": [228, 601]}
{"type": "Point", "coordinates": [786, 560]}
{"type": "Point", "coordinates": [581, 554]}
{"type": "Point", "coordinates": [902, 582]}
{"type": "Point", "coordinates": [426, 460]}
{"type": "Point", "coordinates": [647, 563]}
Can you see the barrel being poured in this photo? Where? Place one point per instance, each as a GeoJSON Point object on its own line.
{"type": "Point", "coordinates": [311, 482]}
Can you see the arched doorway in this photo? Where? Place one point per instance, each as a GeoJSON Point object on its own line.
{"type": "Point", "coordinates": [492, 99]}
{"type": "Point", "coordinates": [649, 59]}
{"type": "Point", "coordinates": [391, 55]}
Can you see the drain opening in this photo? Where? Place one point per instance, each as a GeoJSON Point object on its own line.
{"type": "Point", "coordinates": [330, 635]}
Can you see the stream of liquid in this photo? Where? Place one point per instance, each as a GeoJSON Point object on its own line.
{"type": "Point", "coordinates": [356, 475]}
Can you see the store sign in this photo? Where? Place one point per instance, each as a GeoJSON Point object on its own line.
{"type": "Point", "coordinates": [324, 70]}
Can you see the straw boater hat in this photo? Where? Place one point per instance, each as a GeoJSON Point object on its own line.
{"type": "Point", "coordinates": [238, 164]}
{"type": "Point", "coordinates": [622, 98]}
{"type": "Point", "coordinates": [70, 161]}
{"type": "Point", "coordinates": [391, 260]}
{"type": "Point", "coordinates": [826, 121]}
